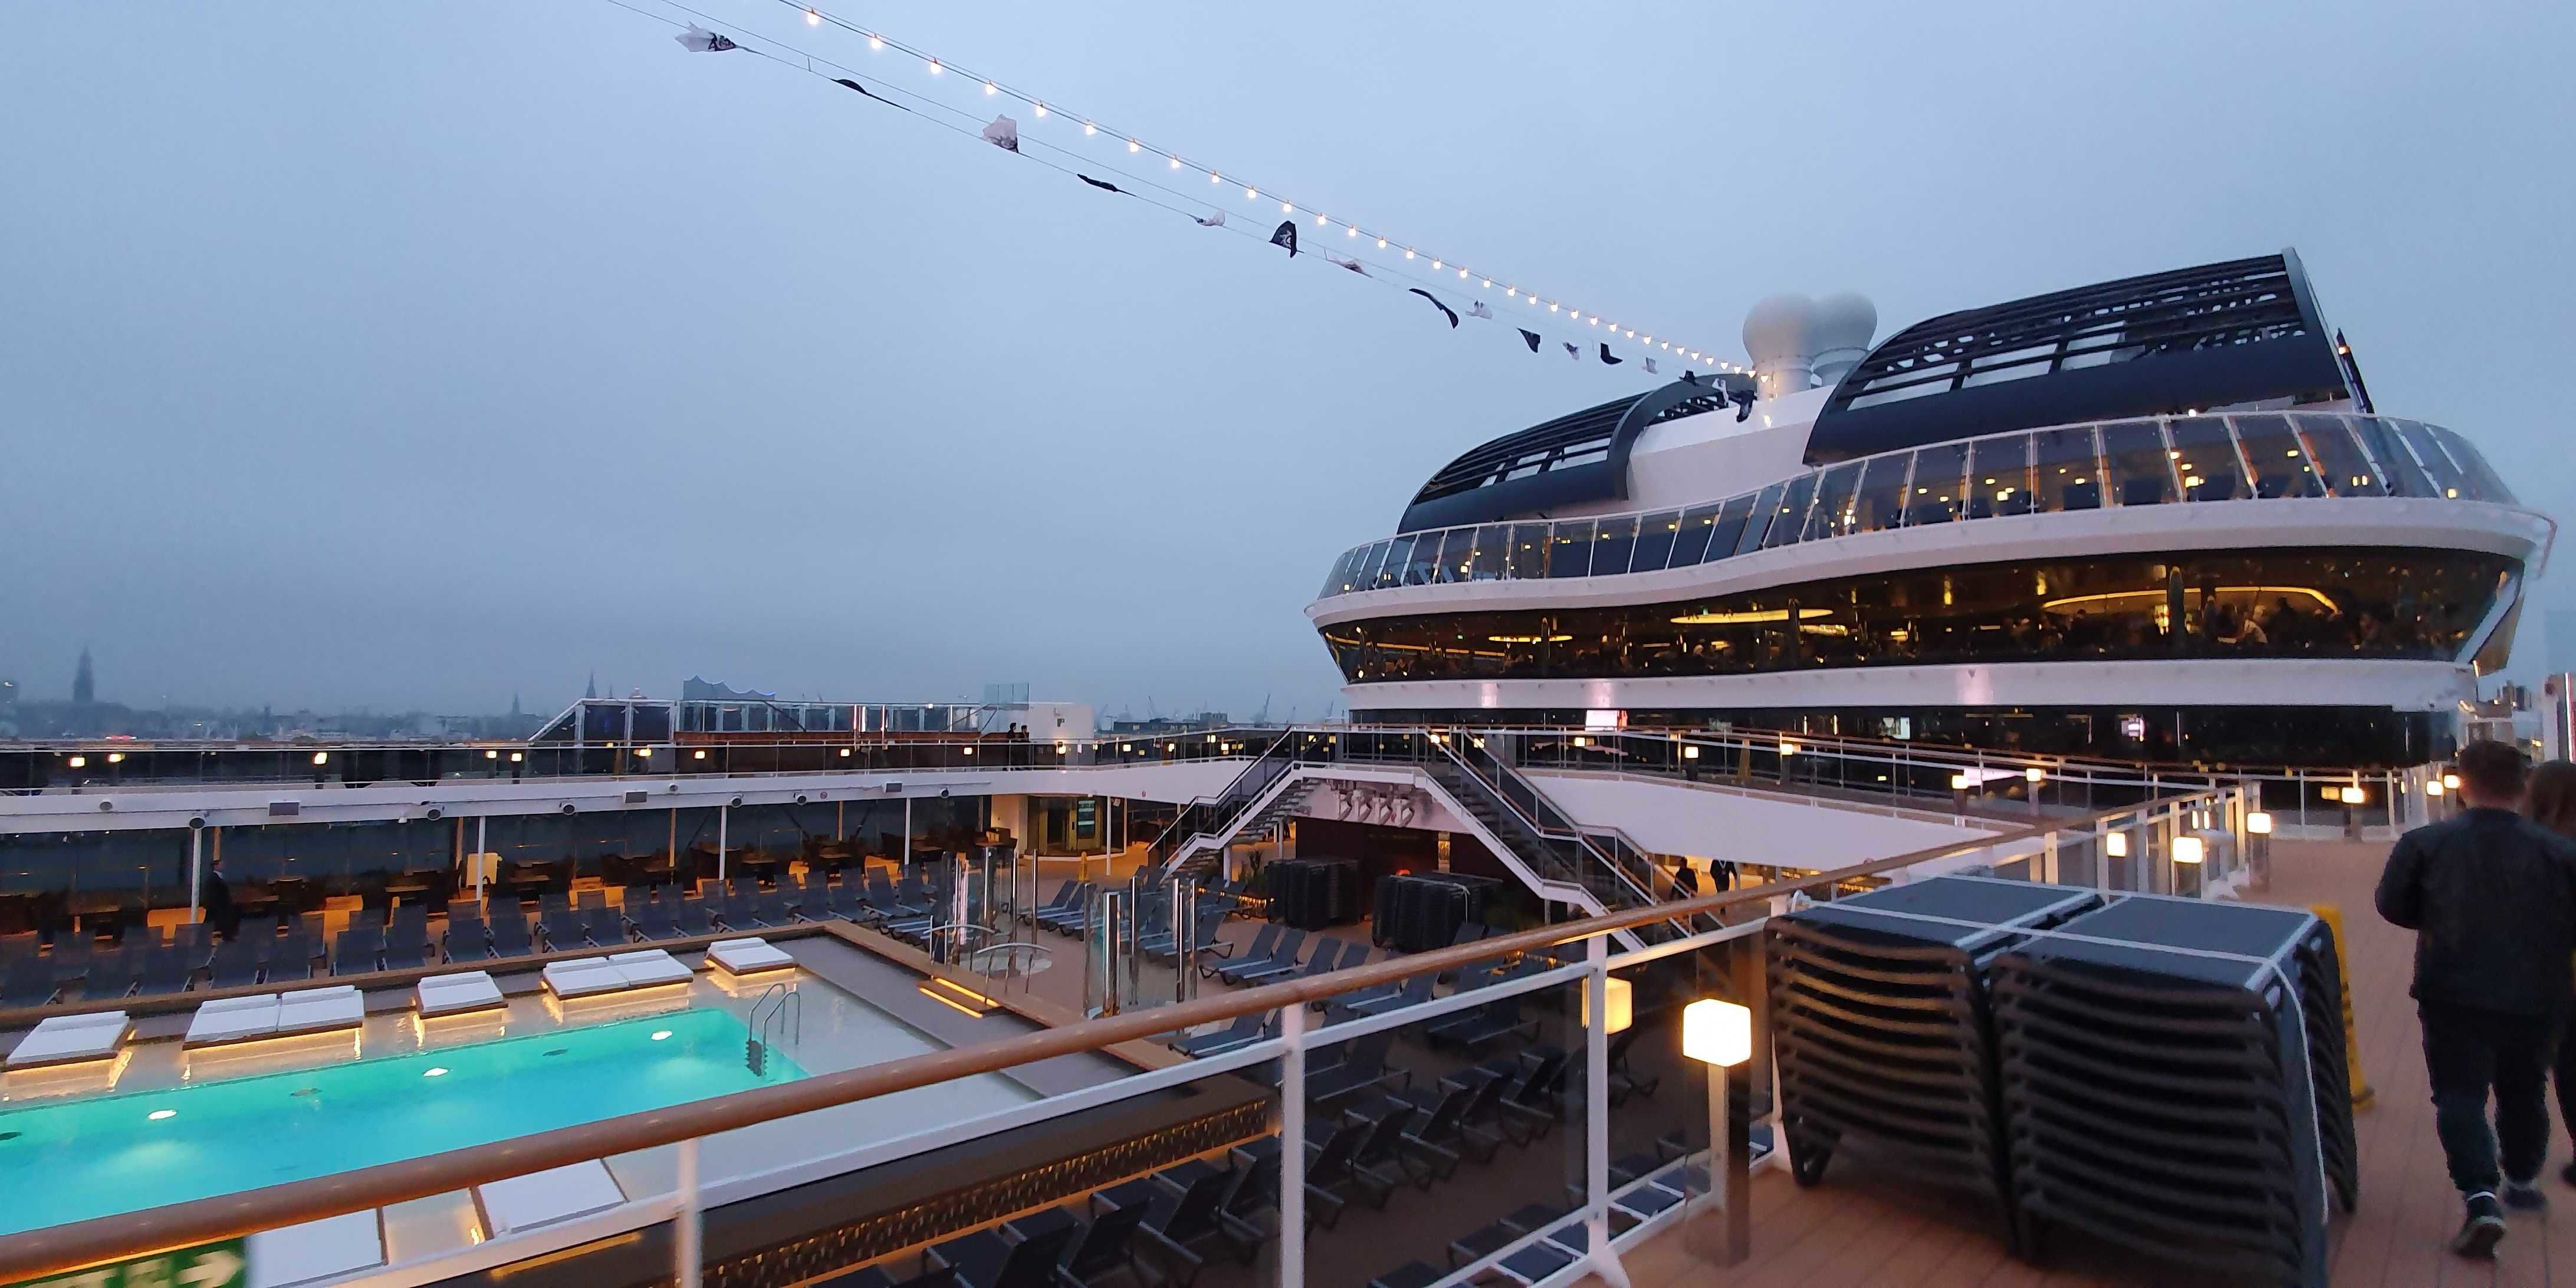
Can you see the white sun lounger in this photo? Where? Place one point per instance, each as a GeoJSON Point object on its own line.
{"type": "Point", "coordinates": [233, 1019]}
{"type": "Point", "coordinates": [320, 1010]}
{"type": "Point", "coordinates": [747, 956]}
{"type": "Point", "coordinates": [647, 967]}
{"type": "Point", "coordinates": [66, 1039]}
{"type": "Point", "coordinates": [471, 990]}
{"type": "Point", "coordinates": [582, 977]}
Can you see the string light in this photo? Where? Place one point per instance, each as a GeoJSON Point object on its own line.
{"type": "Point", "coordinates": [1319, 219]}
{"type": "Point", "coordinates": [814, 17]}
{"type": "Point", "coordinates": [1511, 292]}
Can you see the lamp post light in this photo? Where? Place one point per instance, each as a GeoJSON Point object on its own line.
{"type": "Point", "coordinates": [2258, 847]}
{"type": "Point", "coordinates": [1720, 1035]}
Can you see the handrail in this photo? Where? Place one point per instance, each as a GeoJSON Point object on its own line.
{"type": "Point", "coordinates": [55, 1249]}
{"type": "Point", "coordinates": [1186, 827]}
{"type": "Point", "coordinates": [1569, 830]}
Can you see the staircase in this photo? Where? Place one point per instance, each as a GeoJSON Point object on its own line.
{"type": "Point", "coordinates": [1513, 809]}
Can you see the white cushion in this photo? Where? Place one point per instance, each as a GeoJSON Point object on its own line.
{"type": "Point", "coordinates": [583, 976]}
{"type": "Point", "coordinates": [313, 1010]}
{"type": "Point", "coordinates": [231, 1019]}
{"type": "Point", "coordinates": [448, 994]}
{"type": "Point", "coordinates": [331, 1248]}
{"type": "Point", "coordinates": [556, 1194]}
{"type": "Point", "coordinates": [743, 956]}
{"type": "Point", "coordinates": [65, 1038]}
{"type": "Point", "coordinates": [646, 967]}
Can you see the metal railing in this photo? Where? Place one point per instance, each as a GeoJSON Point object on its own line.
{"type": "Point", "coordinates": [2152, 854]}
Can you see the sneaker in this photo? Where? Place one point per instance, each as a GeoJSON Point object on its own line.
{"type": "Point", "coordinates": [2524, 1196]}
{"type": "Point", "coordinates": [2482, 1229]}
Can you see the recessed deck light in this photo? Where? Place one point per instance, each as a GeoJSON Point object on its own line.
{"type": "Point", "coordinates": [433, 1072]}
{"type": "Point", "coordinates": [159, 1114]}
{"type": "Point", "coordinates": [659, 1034]}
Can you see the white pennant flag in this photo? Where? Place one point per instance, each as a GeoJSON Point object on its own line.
{"type": "Point", "coordinates": [1216, 220]}
{"type": "Point", "coordinates": [1352, 264]}
{"type": "Point", "coordinates": [1478, 309]}
{"type": "Point", "coordinates": [1650, 366]}
{"type": "Point", "coordinates": [699, 40]}
{"type": "Point", "coordinates": [1003, 133]}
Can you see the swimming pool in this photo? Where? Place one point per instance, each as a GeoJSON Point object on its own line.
{"type": "Point", "coordinates": [98, 1156]}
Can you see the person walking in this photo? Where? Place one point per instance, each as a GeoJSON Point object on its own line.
{"type": "Point", "coordinates": [2491, 897]}
{"type": "Point", "coordinates": [2549, 799]}
{"type": "Point", "coordinates": [215, 902]}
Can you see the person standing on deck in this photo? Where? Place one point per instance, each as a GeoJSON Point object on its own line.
{"type": "Point", "coordinates": [2491, 898]}
{"type": "Point", "coordinates": [2550, 800]}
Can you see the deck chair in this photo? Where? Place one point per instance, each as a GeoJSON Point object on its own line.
{"type": "Point", "coordinates": [30, 982]}
{"type": "Point", "coordinates": [292, 959]}
{"type": "Point", "coordinates": [653, 919]}
{"type": "Point", "coordinates": [235, 965]}
{"type": "Point", "coordinates": [773, 909]}
{"type": "Point", "coordinates": [1177, 1218]}
{"type": "Point", "coordinates": [407, 945]}
{"type": "Point", "coordinates": [563, 930]}
{"type": "Point", "coordinates": [985, 1259]}
{"type": "Point", "coordinates": [355, 950]}
{"type": "Point", "coordinates": [111, 974]}
{"type": "Point", "coordinates": [691, 916]}
{"type": "Point", "coordinates": [510, 933]}
{"type": "Point", "coordinates": [1537, 1101]}
{"type": "Point", "coordinates": [1246, 1030]}
{"type": "Point", "coordinates": [606, 927]}
{"type": "Point", "coordinates": [1362, 1068]}
{"type": "Point", "coordinates": [165, 971]}
{"type": "Point", "coordinates": [1264, 942]}
{"type": "Point", "coordinates": [467, 939]}
{"type": "Point", "coordinates": [1283, 956]}
{"type": "Point", "coordinates": [1327, 959]}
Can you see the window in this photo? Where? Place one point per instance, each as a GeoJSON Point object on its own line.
{"type": "Point", "coordinates": [1569, 552]}
{"type": "Point", "coordinates": [2490, 485]}
{"type": "Point", "coordinates": [2397, 467]}
{"type": "Point", "coordinates": [1938, 471]}
{"type": "Point", "coordinates": [2066, 469]}
{"type": "Point", "coordinates": [1612, 542]}
{"type": "Point", "coordinates": [2141, 465]}
{"type": "Point", "coordinates": [1529, 550]}
{"type": "Point", "coordinates": [1391, 571]}
{"type": "Point", "coordinates": [2448, 481]}
{"type": "Point", "coordinates": [1878, 501]}
{"type": "Point", "coordinates": [2347, 472]}
{"type": "Point", "coordinates": [2204, 454]}
{"type": "Point", "coordinates": [1692, 543]}
{"type": "Point", "coordinates": [1493, 542]}
{"type": "Point", "coordinates": [1998, 476]}
{"type": "Point", "coordinates": [1757, 520]}
{"type": "Point", "coordinates": [1832, 515]}
{"type": "Point", "coordinates": [1655, 534]}
{"type": "Point", "coordinates": [2279, 461]}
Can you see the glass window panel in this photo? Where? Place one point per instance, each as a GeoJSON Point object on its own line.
{"type": "Point", "coordinates": [2279, 461]}
{"type": "Point", "coordinates": [1570, 549]}
{"type": "Point", "coordinates": [2141, 465]}
{"type": "Point", "coordinates": [1339, 579]}
{"type": "Point", "coordinates": [1937, 472]}
{"type": "Point", "coordinates": [1612, 542]}
{"type": "Point", "coordinates": [1832, 515]}
{"type": "Point", "coordinates": [1655, 533]}
{"type": "Point", "coordinates": [2204, 454]}
{"type": "Point", "coordinates": [2490, 485]}
{"type": "Point", "coordinates": [1425, 560]}
{"type": "Point", "coordinates": [1999, 476]}
{"type": "Point", "coordinates": [1757, 519]}
{"type": "Point", "coordinates": [1878, 501]}
{"type": "Point", "coordinates": [1455, 545]}
{"type": "Point", "coordinates": [2347, 472]}
{"type": "Point", "coordinates": [1492, 542]}
{"type": "Point", "coordinates": [1529, 550]}
{"type": "Point", "coordinates": [2066, 469]}
{"type": "Point", "coordinates": [1790, 515]}
{"type": "Point", "coordinates": [2448, 482]}
{"type": "Point", "coordinates": [2397, 467]}
{"type": "Point", "coordinates": [1364, 569]}
{"type": "Point", "coordinates": [1390, 572]}
{"type": "Point", "coordinates": [1691, 544]}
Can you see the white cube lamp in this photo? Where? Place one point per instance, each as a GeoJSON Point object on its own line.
{"type": "Point", "coordinates": [1718, 1033]}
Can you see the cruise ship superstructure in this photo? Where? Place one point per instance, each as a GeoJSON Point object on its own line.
{"type": "Point", "coordinates": [2157, 518]}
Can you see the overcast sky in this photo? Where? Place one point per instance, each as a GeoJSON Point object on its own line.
{"type": "Point", "coordinates": [416, 354]}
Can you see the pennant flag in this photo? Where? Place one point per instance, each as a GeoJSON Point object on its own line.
{"type": "Point", "coordinates": [1478, 309]}
{"type": "Point", "coordinates": [1285, 235]}
{"type": "Point", "coordinates": [1572, 352]}
{"type": "Point", "coordinates": [1352, 263]}
{"type": "Point", "coordinates": [1445, 310]}
{"type": "Point", "coordinates": [1650, 366]}
{"type": "Point", "coordinates": [846, 83]}
{"type": "Point", "coordinates": [1216, 220]}
{"type": "Point", "coordinates": [1529, 338]}
{"type": "Point", "coordinates": [1003, 133]}
{"type": "Point", "coordinates": [1605, 356]}
{"type": "Point", "coordinates": [1106, 187]}
{"type": "Point", "coordinates": [699, 40]}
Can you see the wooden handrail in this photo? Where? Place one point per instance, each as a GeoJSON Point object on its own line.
{"type": "Point", "coordinates": [36, 1253]}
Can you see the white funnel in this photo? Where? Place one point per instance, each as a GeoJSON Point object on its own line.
{"type": "Point", "coordinates": [1845, 321]}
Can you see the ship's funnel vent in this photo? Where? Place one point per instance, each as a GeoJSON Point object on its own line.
{"type": "Point", "coordinates": [1797, 342]}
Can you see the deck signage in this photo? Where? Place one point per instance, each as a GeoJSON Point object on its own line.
{"type": "Point", "coordinates": [225, 1264]}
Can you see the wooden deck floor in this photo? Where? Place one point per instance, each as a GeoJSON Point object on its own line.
{"type": "Point", "coordinates": [1848, 1232]}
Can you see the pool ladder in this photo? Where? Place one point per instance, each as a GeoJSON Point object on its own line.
{"type": "Point", "coordinates": [778, 1010]}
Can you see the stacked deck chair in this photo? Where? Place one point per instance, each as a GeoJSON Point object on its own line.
{"type": "Point", "coordinates": [1882, 1033]}
{"type": "Point", "coordinates": [2175, 1082]}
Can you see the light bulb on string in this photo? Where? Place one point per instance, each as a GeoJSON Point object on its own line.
{"type": "Point", "coordinates": [990, 88]}
{"type": "Point", "coordinates": [1486, 280]}
{"type": "Point", "coordinates": [1381, 243]}
{"type": "Point", "coordinates": [1212, 177]}
{"type": "Point", "coordinates": [813, 19]}
{"type": "Point", "coordinates": [1041, 107]}
{"type": "Point", "coordinates": [1089, 129]}
{"type": "Point", "coordinates": [875, 41]}
{"type": "Point", "coordinates": [1319, 219]}
{"type": "Point", "coordinates": [1352, 230]}
{"type": "Point", "coordinates": [1435, 265]}
{"type": "Point", "coordinates": [1511, 292]}
{"type": "Point", "coordinates": [1462, 275]}
{"type": "Point", "coordinates": [1287, 207]}
{"type": "Point", "coordinates": [1132, 146]}
{"type": "Point", "coordinates": [1251, 193]}
{"type": "Point", "coordinates": [1408, 252]}
{"type": "Point", "coordinates": [935, 68]}
{"type": "Point", "coordinates": [1551, 308]}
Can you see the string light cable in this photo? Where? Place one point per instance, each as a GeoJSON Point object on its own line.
{"type": "Point", "coordinates": [1387, 270]}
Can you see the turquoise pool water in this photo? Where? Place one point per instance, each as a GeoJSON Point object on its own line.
{"type": "Point", "coordinates": [73, 1159]}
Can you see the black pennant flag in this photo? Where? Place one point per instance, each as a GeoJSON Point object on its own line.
{"type": "Point", "coordinates": [1450, 313]}
{"type": "Point", "coordinates": [1572, 352]}
{"type": "Point", "coordinates": [1605, 356]}
{"type": "Point", "coordinates": [1108, 187]}
{"type": "Point", "coordinates": [1529, 338]}
{"type": "Point", "coordinates": [1286, 235]}
{"type": "Point", "coordinates": [846, 83]}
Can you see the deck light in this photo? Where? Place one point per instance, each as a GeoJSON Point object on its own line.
{"type": "Point", "coordinates": [116, 757]}
{"type": "Point", "coordinates": [845, 753]}
{"type": "Point", "coordinates": [1717, 1033]}
{"type": "Point", "coordinates": [659, 1034]}
{"type": "Point", "coordinates": [699, 754]}
{"type": "Point", "coordinates": [2259, 823]}
{"type": "Point", "coordinates": [2188, 849]}
{"type": "Point", "coordinates": [1581, 741]}
{"type": "Point", "coordinates": [1690, 753]}
{"type": "Point", "coordinates": [970, 751]}
{"type": "Point", "coordinates": [516, 757]}
{"type": "Point", "coordinates": [1620, 1005]}
{"type": "Point", "coordinates": [1961, 782]}
{"type": "Point", "coordinates": [491, 755]}
{"type": "Point", "coordinates": [2450, 782]}
{"type": "Point", "coordinates": [321, 757]}
{"type": "Point", "coordinates": [2433, 788]}
{"type": "Point", "coordinates": [1788, 748]}
{"type": "Point", "coordinates": [2352, 795]}
{"type": "Point", "coordinates": [433, 1072]}
{"type": "Point", "coordinates": [158, 1114]}
{"type": "Point", "coordinates": [78, 762]}
{"type": "Point", "coordinates": [643, 753]}
{"type": "Point", "coordinates": [2035, 774]}
{"type": "Point", "coordinates": [2116, 844]}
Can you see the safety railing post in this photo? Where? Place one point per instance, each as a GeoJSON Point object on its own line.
{"type": "Point", "coordinates": [686, 1258]}
{"type": "Point", "coordinates": [1292, 1145]}
{"type": "Point", "coordinates": [1603, 1259]}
